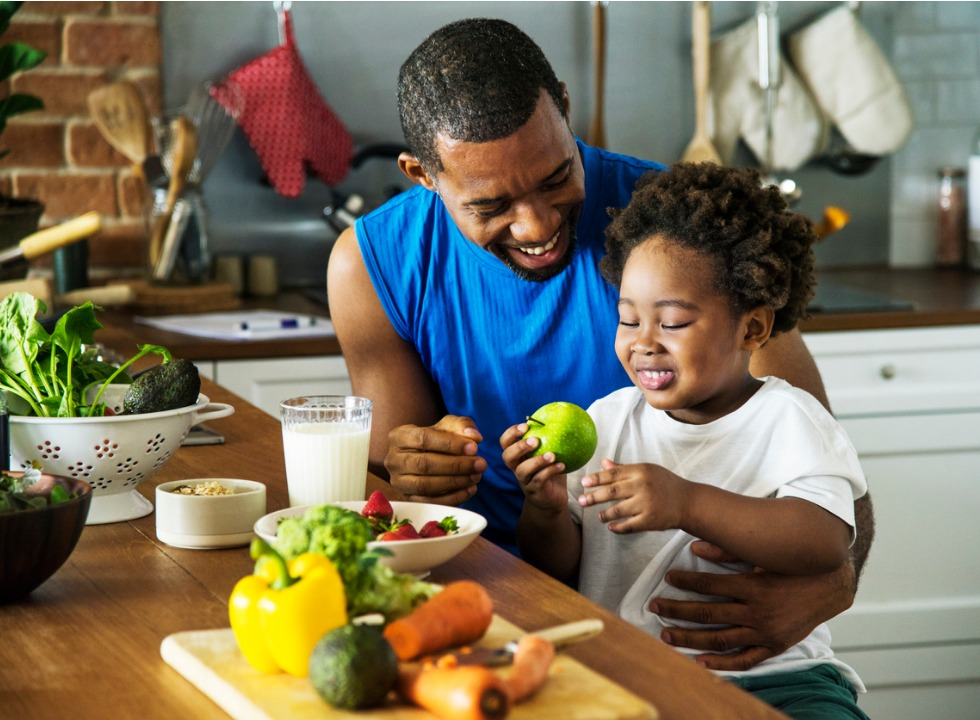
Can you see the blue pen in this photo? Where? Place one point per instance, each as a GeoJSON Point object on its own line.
{"type": "Point", "coordinates": [280, 324]}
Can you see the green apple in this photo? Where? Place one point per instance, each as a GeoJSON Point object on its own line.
{"type": "Point", "coordinates": [566, 430]}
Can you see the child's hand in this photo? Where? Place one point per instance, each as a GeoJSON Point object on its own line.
{"type": "Point", "coordinates": [541, 478]}
{"type": "Point", "coordinates": [645, 497]}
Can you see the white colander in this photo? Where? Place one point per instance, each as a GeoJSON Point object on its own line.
{"type": "Point", "coordinates": [112, 454]}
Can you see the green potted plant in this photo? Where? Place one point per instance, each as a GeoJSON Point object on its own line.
{"type": "Point", "coordinates": [18, 217]}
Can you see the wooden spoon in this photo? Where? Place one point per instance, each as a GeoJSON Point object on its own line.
{"type": "Point", "coordinates": [184, 143]}
{"type": "Point", "coordinates": [121, 116]}
{"type": "Point", "coordinates": [701, 149]}
{"type": "Point", "coordinates": [597, 130]}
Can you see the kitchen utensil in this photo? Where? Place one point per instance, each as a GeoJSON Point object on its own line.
{"type": "Point", "coordinates": [769, 81]}
{"type": "Point", "coordinates": [215, 122]}
{"type": "Point", "coordinates": [121, 116]}
{"type": "Point", "coordinates": [845, 160]}
{"type": "Point", "coordinates": [408, 556]}
{"type": "Point", "coordinates": [701, 149]}
{"type": "Point", "coordinates": [597, 129]}
{"type": "Point", "coordinates": [560, 635]}
{"type": "Point", "coordinates": [112, 453]}
{"type": "Point", "coordinates": [184, 151]}
{"type": "Point", "coordinates": [834, 219]}
{"type": "Point", "coordinates": [50, 239]}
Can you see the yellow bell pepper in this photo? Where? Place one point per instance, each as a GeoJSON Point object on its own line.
{"type": "Point", "coordinates": [279, 613]}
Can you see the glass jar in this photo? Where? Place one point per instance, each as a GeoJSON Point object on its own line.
{"type": "Point", "coordinates": [951, 225]}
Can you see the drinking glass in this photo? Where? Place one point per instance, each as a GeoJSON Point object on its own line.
{"type": "Point", "coordinates": [325, 440]}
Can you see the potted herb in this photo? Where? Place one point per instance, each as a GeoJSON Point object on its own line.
{"type": "Point", "coordinates": [18, 217]}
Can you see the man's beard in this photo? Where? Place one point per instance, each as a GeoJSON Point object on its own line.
{"type": "Point", "coordinates": [552, 270]}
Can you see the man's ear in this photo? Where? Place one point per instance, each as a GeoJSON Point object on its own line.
{"type": "Point", "coordinates": [413, 170]}
{"type": "Point", "coordinates": [566, 102]}
{"type": "Point", "coordinates": [757, 324]}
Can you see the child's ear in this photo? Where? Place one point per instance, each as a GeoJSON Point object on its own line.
{"type": "Point", "coordinates": [757, 324]}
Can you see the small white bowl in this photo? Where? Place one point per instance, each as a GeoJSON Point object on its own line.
{"type": "Point", "coordinates": [209, 521]}
{"type": "Point", "coordinates": [415, 557]}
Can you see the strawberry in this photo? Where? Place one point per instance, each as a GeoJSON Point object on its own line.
{"type": "Point", "coordinates": [405, 531]}
{"type": "Point", "coordinates": [438, 528]}
{"type": "Point", "coordinates": [378, 511]}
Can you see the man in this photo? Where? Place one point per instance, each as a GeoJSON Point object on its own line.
{"type": "Point", "coordinates": [471, 300]}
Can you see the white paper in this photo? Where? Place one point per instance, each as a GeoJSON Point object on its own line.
{"type": "Point", "coordinates": [241, 325]}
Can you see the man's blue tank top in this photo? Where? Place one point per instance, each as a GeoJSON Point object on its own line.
{"type": "Point", "coordinates": [499, 347]}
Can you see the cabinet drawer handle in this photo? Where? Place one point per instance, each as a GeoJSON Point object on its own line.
{"type": "Point", "coordinates": [888, 371]}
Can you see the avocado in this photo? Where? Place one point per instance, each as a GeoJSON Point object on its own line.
{"type": "Point", "coordinates": [172, 385]}
{"type": "Point", "coordinates": [353, 667]}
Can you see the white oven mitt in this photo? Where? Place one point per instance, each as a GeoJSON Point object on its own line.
{"type": "Point", "coordinates": [799, 129]}
{"type": "Point", "coordinates": [853, 82]}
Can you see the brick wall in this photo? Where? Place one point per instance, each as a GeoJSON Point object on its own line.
{"type": "Point", "coordinates": [58, 155]}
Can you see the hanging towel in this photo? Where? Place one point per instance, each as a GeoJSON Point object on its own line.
{"type": "Point", "coordinates": [287, 122]}
{"type": "Point", "coordinates": [799, 130]}
{"type": "Point", "coordinates": [853, 82]}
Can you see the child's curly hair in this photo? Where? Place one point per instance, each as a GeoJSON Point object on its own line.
{"type": "Point", "coordinates": [762, 252]}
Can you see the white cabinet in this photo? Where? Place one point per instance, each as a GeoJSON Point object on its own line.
{"type": "Point", "coordinates": [910, 400]}
{"type": "Point", "coordinates": [266, 383]}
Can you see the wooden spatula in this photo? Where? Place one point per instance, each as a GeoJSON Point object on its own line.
{"type": "Point", "coordinates": [701, 149]}
{"type": "Point", "coordinates": [184, 140]}
{"type": "Point", "coordinates": [121, 116]}
{"type": "Point", "coordinates": [597, 128]}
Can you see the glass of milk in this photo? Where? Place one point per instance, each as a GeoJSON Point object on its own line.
{"type": "Point", "coordinates": [326, 439]}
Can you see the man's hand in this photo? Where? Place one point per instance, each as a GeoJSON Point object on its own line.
{"type": "Point", "coordinates": [768, 612]}
{"type": "Point", "coordinates": [436, 464]}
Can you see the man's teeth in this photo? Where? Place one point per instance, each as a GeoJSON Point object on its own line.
{"type": "Point", "coordinates": [540, 249]}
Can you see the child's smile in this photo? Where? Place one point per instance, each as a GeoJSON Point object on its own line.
{"type": "Point", "coordinates": [679, 338]}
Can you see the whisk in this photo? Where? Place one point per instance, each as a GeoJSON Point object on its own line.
{"type": "Point", "coordinates": [215, 123]}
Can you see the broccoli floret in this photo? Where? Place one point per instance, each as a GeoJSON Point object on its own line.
{"type": "Point", "coordinates": [342, 535]}
{"type": "Point", "coordinates": [392, 594]}
{"type": "Point", "coordinates": [339, 534]}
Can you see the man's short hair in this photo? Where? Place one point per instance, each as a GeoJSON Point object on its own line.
{"type": "Point", "coordinates": [475, 80]}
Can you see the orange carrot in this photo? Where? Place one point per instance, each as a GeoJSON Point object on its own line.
{"type": "Point", "coordinates": [473, 692]}
{"type": "Point", "coordinates": [461, 613]}
{"type": "Point", "coordinates": [532, 659]}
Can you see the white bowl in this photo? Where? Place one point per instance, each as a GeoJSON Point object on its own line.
{"type": "Point", "coordinates": [410, 556]}
{"type": "Point", "coordinates": [112, 454]}
{"type": "Point", "coordinates": [209, 521]}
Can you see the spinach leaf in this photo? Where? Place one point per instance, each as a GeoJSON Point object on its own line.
{"type": "Point", "coordinates": [50, 373]}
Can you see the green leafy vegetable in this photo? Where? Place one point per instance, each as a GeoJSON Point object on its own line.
{"type": "Point", "coordinates": [48, 374]}
{"type": "Point", "coordinates": [15, 492]}
{"type": "Point", "coordinates": [342, 535]}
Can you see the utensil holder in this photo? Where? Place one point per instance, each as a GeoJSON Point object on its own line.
{"type": "Point", "coordinates": [184, 257]}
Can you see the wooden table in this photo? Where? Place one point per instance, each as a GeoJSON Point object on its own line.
{"type": "Point", "coordinates": [86, 644]}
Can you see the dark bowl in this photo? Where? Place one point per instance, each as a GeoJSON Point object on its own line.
{"type": "Point", "coordinates": [35, 543]}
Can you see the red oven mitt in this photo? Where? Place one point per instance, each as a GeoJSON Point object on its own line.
{"type": "Point", "coordinates": [287, 122]}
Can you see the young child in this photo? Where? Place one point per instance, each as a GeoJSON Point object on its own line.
{"type": "Point", "coordinates": [709, 265]}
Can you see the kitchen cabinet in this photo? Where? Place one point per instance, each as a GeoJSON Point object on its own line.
{"type": "Point", "coordinates": [910, 400]}
{"type": "Point", "coordinates": [268, 382]}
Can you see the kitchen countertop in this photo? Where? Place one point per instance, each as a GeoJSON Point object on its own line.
{"type": "Point", "coordinates": [86, 643]}
{"type": "Point", "coordinates": [937, 297]}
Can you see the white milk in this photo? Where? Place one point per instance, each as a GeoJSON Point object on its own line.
{"type": "Point", "coordinates": [325, 462]}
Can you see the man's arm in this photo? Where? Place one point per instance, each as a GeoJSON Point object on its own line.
{"type": "Point", "coordinates": [382, 366]}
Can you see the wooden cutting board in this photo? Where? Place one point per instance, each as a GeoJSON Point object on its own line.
{"type": "Point", "coordinates": [211, 661]}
